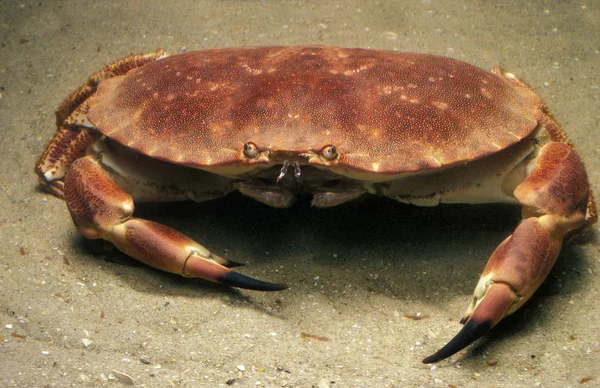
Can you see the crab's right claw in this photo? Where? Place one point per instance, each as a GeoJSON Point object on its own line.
{"type": "Point", "coordinates": [217, 269]}
{"type": "Point", "coordinates": [101, 209]}
{"type": "Point", "coordinates": [236, 279]}
{"type": "Point", "coordinates": [169, 250]}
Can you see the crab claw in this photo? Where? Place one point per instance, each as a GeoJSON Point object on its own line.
{"type": "Point", "coordinates": [164, 248]}
{"type": "Point", "coordinates": [101, 209]}
{"type": "Point", "coordinates": [217, 269]}
{"type": "Point", "coordinates": [515, 270]}
{"type": "Point", "coordinates": [236, 279]}
{"type": "Point", "coordinates": [555, 198]}
{"type": "Point", "coordinates": [493, 307]}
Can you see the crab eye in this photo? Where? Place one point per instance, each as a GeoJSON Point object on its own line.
{"type": "Point", "coordinates": [329, 152]}
{"type": "Point", "coordinates": [250, 150]}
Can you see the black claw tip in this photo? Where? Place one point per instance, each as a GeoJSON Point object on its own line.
{"type": "Point", "coordinates": [471, 332]}
{"type": "Point", "coordinates": [233, 264]}
{"type": "Point", "coordinates": [236, 279]}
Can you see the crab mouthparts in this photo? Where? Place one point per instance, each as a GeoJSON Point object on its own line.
{"type": "Point", "coordinates": [284, 168]}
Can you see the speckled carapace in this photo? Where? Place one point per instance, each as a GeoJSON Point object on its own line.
{"type": "Point", "coordinates": [387, 112]}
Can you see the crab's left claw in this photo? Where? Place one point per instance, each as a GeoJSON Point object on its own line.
{"type": "Point", "coordinates": [495, 305]}
{"type": "Point", "coordinates": [556, 200]}
{"type": "Point", "coordinates": [515, 270]}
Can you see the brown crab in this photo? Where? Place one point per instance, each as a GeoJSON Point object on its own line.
{"type": "Point", "coordinates": [421, 129]}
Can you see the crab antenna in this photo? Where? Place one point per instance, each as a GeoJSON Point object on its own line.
{"type": "Point", "coordinates": [297, 171]}
{"type": "Point", "coordinates": [284, 168]}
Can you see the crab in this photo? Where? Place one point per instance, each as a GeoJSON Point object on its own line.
{"type": "Point", "coordinates": [334, 123]}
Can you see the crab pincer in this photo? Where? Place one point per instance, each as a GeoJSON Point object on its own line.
{"type": "Point", "coordinates": [523, 260]}
{"type": "Point", "coordinates": [101, 209]}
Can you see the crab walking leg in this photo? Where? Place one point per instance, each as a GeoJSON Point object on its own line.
{"type": "Point", "coordinates": [101, 209]}
{"type": "Point", "coordinates": [72, 139]}
{"type": "Point", "coordinates": [66, 146]}
{"type": "Point", "coordinates": [555, 199]}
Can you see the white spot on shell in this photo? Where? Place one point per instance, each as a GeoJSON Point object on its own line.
{"type": "Point", "coordinates": [375, 167]}
{"type": "Point", "coordinates": [375, 133]}
{"type": "Point", "coordinates": [440, 105]}
{"type": "Point", "coordinates": [387, 89]}
{"type": "Point", "coordinates": [357, 70]}
{"type": "Point", "coordinates": [485, 93]}
{"type": "Point", "coordinates": [252, 70]}
{"type": "Point", "coordinates": [216, 129]}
